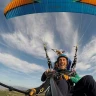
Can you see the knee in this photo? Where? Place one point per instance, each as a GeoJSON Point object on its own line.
{"type": "Point", "coordinates": [88, 78]}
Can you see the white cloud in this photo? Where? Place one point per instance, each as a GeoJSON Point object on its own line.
{"type": "Point", "coordinates": [83, 66]}
{"type": "Point", "coordinates": [19, 65]}
{"type": "Point", "coordinates": [31, 30]}
{"type": "Point", "coordinates": [65, 28]}
{"type": "Point", "coordinates": [87, 57]}
{"type": "Point", "coordinates": [34, 47]}
{"type": "Point", "coordinates": [89, 49]}
{"type": "Point", "coordinates": [29, 37]}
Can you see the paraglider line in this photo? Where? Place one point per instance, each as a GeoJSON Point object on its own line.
{"type": "Point", "coordinates": [85, 31]}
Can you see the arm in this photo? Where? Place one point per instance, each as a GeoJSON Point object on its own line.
{"type": "Point", "coordinates": [39, 89]}
{"type": "Point", "coordinates": [43, 78]}
{"type": "Point", "coordinates": [46, 74]}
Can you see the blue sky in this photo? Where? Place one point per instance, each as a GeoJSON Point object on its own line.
{"type": "Point", "coordinates": [22, 57]}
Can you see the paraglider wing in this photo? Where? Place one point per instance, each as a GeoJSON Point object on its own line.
{"type": "Point", "coordinates": [23, 7]}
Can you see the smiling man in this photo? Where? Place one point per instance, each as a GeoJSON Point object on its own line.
{"type": "Point", "coordinates": [85, 85]}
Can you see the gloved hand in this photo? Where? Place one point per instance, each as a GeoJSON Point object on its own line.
{"type": "Point", "coordinates": [66, 77]}
{"type": "Point", "coordinates": [31, 92]}
{"type": "Point", "coordinates": [49, 71]}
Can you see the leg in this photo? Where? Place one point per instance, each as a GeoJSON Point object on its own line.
{"type": "Point", "coordinates": [63, 86]}
{"type": "Point", "coordinates": [86, 85]}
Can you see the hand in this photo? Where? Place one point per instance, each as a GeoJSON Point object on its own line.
{"type": "Point", "coordinates": [32, 92]}
{"type": "Point", "coordinates": [48, 71]}
{"type": "Point", "coordinates": [66, 77]}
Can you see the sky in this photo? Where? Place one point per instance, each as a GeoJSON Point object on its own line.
{"type": "Point", "coordinates": [22, 56]}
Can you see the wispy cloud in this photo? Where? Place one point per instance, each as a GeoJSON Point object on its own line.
{"type": "Point", "coordinates": [19, 65]}
{"type": "Point", "coordinates": [87, 57]}
{"type": "Point", "coordinates": [29, 37]}
{"type": "Point", "coordinates": [89, 49]}
{"type": "Point", "coordinates": [83, 66]}
{"type": "Point", "coordinates": [65, 28]}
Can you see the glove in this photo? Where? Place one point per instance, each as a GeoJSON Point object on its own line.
{"type": "Point", "coordinates": [32, 92]}
{"type": "Point", "coordinates": [48, 72]}
{"type": "Point", "coordinates": [66, 77]}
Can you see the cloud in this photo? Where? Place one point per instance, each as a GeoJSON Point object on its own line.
{"type": "Point", "coordinates": [29, 37]}
{"type": "Point", "coordinates": [68, 34]}
{"type": "Point", "coordinates": [19, 65]}
{"type": "Point", "coordinates": [87, 57]}
{"type": "Point", "coordinates": [83, 66]}
{"type": "Point", "coordinates": [89, 49]}
{"type": "Point", "coordinates": [19, 41]}
{"type": "Point", "coordinates": [29, 34]}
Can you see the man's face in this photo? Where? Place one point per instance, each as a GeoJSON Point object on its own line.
{"type": "Point", "coordinates": [62, 63]}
